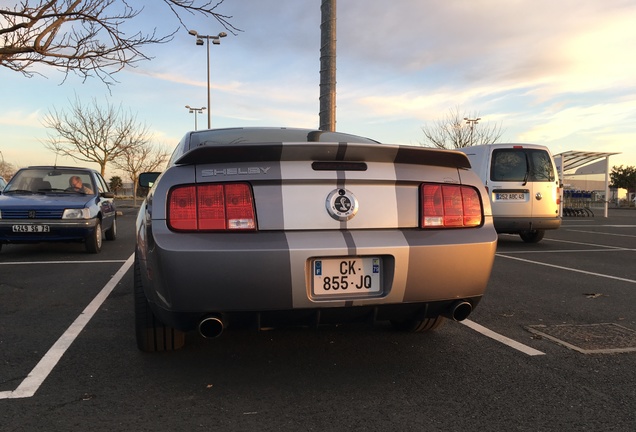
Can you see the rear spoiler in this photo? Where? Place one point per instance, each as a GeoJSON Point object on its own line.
{"type": "Point", "coordinates": [352, 152]}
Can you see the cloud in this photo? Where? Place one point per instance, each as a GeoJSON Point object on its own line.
{"type": "Point", "coordinates": [21, 119]}
{"type": "Point", "coordinates": [595, 120]}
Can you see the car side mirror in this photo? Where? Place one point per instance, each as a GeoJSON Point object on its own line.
{"type": "Point", "coordinates": [107, 195]}
{"type": "Point", "coordinates": [147, 179]}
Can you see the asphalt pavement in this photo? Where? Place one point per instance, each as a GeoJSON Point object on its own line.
{"type": "Point", "coordinates": [551, 347]}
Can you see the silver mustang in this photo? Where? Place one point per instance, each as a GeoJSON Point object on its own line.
{"type": "Point", "coordinates": [263, 227]}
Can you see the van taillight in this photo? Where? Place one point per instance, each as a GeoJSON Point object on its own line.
{"type": "Point", "coordinates": [211, 207]}
{"type": "Point", "coordinates": [450, 206]}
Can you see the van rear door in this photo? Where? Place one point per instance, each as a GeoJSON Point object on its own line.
{"type": "Point", "coordinates": [523, 182]}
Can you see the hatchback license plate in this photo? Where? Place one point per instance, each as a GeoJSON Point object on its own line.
{"type": "Point", "coordinates": [346, 276]}
{"type": "Point", "coordinates": [31, 228]}
{"type": "Point", "coordinates": [510, 196]}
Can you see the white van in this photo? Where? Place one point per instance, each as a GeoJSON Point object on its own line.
{"type": "Point", "coordinates": [523, 186]}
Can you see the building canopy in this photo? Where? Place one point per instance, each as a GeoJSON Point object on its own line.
{"type": "Point", "coordinates": [578, 160]}
{"type": "Point", "coordinates": [571, 160]}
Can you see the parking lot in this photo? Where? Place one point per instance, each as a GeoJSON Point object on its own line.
{"type": "Point", "coordinates": [552, 346]}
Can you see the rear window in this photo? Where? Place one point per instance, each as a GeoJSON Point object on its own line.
{"type": "Point", "coordinates": [519, 164]}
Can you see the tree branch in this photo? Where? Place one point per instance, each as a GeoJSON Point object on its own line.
{"type": "Point", "coordinates": [86, 37]}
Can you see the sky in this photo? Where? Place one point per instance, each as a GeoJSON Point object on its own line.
{"type": "Point", "coordinates": [557, 73]}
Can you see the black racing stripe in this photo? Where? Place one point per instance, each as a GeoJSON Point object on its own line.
{"type": "Point", "coordinates": [351, 245]}
{"type": "Point", "coordinates": [341, 176]}
{"type": "Point", "coordinates": [342, 150]}
{"type": "Point", "coordinates": [341, 183]}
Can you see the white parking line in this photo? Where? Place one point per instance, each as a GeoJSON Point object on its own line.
{"type": "Point", "coordinates": [535, 252]}
{"type": "Point", "coordinates": [564, 226]}
{"type": "Point", "coordinates": [503, 339]}
{"type": "Point", "coordinates": [569, 269]}
{"type": "Point", "coordinates": [41, 371]}
{"type": "Point", "coordinates": [600, 233]}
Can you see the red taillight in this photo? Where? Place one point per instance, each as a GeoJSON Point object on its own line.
{"type": "Point", "coordinates": [450, 206]}
{"type": "Point", "coordinates": [211, 207]}
{"type": "Point", "coordinates": [239, 210]}
{"type": "Point", "coordinates": [182, 208]}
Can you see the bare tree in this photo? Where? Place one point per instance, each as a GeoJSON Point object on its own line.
{"type": "Point", "coordinates": [92, 133]}
{"type": "Point", "coordinates": [7, 170]}
{"type": "Point", "coordinates": [459, 131]}
{"type": "Point", "coordinates": [142, 158]}
{"type": "Point", "coordinates": [86, 37]}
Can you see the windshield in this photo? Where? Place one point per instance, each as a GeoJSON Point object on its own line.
{"type": "Point", "coordinates": [49, 180]}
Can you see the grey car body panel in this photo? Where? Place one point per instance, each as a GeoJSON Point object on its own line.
{"type": "Point", "coordinates": [270, 269]}
{"type": "Point", "coordinates": [195, 274]}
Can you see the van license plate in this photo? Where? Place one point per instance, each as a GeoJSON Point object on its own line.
{"type": "Point", "coordinates": [510, 197]}
{"type": "Point", "coordinates": [346, 276]}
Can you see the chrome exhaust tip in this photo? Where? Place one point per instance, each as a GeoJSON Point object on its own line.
{"type": "Point", "coordinates": [459, 311]}
{"type": "Point", "coordinates": [211, 327]}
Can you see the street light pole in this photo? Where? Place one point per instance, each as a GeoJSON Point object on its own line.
{"type": "Point", "coordinates": [472, 123]}
{"type": "Point", "coordinates": [195, 111]}
{"type": "Point", "coordinates": [216, 40]}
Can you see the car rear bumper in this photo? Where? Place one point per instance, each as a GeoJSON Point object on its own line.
{"type": "Point", "coordinates": [517, 224]}
{"type": "Point", "coordinates": [187, 276]}
{"type": "Point", "coordinates": [66, 230]}
{"type": "Point", "coordinates": [257, 320]}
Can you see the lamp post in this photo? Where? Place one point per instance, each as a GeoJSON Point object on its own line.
{"type": "Point", "coordinates": [216, 40]}
{"type": "Point", "coordinates": [472, 123]}
{"type": "Point", "coordinates": [195, 111]}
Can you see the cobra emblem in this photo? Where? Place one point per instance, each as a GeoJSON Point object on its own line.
{"type": "Point", "coordinates": [341, 204]}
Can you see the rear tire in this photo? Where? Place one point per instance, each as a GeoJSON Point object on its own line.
{"type": "Point", "coordinates": [151, 334]}
{"type": "Point", "coordinates": [111, 233]}
{"type": "Point", "coordinates": [419, 326]}
{"type": "Point", "coordinates": [94, 242]}
{"type": "Point", "coordinates": [532, 236]}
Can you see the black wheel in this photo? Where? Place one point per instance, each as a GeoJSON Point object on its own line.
{"type": "Point", "coordinates": [94, 242]}
{"type": "Point", "coordinates": [532, 236]}
{"type": "Point", "coordinates": [151, 334]}
{"type": "Point", "coordinates": [111, 233]}
{"type": "Point", "coordinates": [419, 326]}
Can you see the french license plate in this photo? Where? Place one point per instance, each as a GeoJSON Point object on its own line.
{"type": "Point", "coordinates": [346, 276]}
{"type": "Point", "coordinates": [510, 196]}
{"type": "Point", "coordinates": [31, 228]}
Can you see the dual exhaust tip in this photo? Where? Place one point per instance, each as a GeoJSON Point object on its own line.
{"type": "Point", "coordinates": [212, 326]}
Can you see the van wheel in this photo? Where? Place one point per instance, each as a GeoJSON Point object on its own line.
{"type": "Point", "coordinates": [418, 326]}
{"type": "Point", "coordinates": [532, 236]}
{"type": "Point", "coordinates": [151, 334]}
